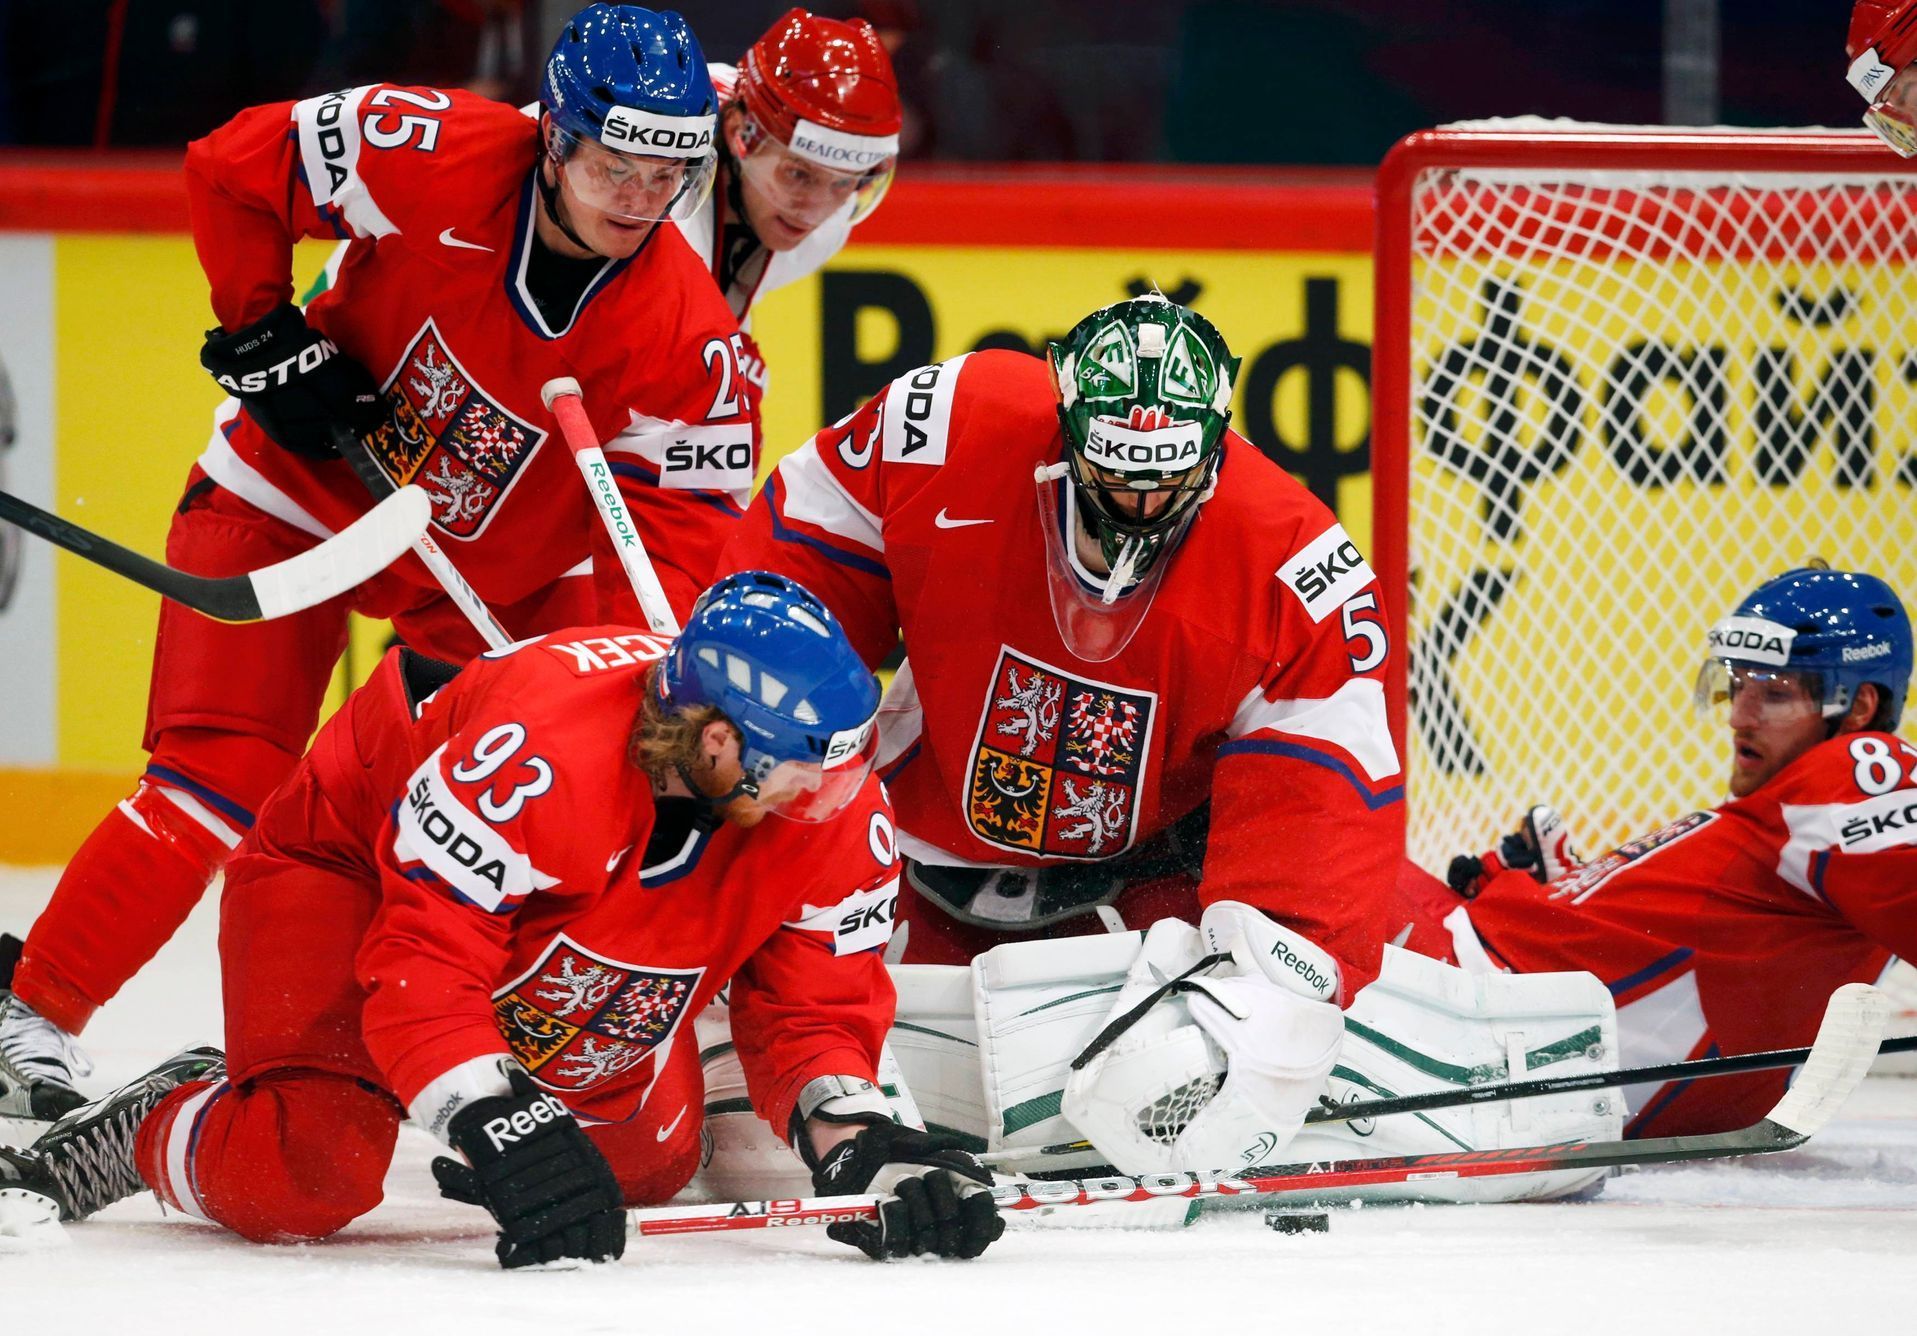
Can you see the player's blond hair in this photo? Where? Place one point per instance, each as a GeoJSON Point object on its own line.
{"type": "Point", "coordinates": [666, 741]}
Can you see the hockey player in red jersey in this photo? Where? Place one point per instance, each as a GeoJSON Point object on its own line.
{"type": "Point", "coordinates": [490, 250]}
{"type": "Point", "coordinates": [1882, 48]}
{"type": "Point", "coordinates": [1122, 624]}
{"type": "Point", "coordinates": [1727, 930]}
{"type": "Point", "coordinates": [808, 138]}
{"type": "Point", "coordinates": [495, 901]}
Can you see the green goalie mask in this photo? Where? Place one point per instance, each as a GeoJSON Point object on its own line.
{"type": "Point", "coordinates": [1144, 393]}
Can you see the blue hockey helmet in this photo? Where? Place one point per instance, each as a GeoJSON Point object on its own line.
{"type": "Point", "coordinates": [1836, 629]}
{"type": "Point", "coordinates": [635, 82]}
{"type": "Point", "coordinates": [765, 652]}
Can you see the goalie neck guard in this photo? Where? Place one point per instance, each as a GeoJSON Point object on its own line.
{"type": "Point", "coordinates": [1837, 630]}
{"type": "Point", "coordinates": [766, 653]}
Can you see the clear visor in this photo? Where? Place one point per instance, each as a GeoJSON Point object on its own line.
{"type": "Point", "coordinates": [1735, 694]}
{"type": "Point", "coordinates": [634, 187]}
{"type": "Point", "coordinates": [1096, 615]}
{"type": "Point", "coordinates": [1893, 113]}
{"type": "Point", "coordinates": [811, 791]}
{"type": "Point", "coordinates": [806, 193]}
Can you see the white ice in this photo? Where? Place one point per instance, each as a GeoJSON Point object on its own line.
{"type": "Point", "coordinates": [1821, 1240]}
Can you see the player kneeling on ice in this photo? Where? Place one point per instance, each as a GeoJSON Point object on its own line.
{"type": "Point", "coordinates": [1726, 931]}
{"type": "Point", "coordinates": [495, 899]}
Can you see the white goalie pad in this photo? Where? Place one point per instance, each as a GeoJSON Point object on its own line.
{"type": "Point", "coordinates": [1425, 1026]}
{"type": "Point", "coordinates": [1422, 1026]}
{"type": "Point", "coordinates": [740, 1157]}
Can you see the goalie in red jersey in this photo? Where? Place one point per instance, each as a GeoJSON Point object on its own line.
{"type": "Point", "coordinates": [495, 900]}
{"type": "Point", "coordinates": [1727, 930]}
{"type": "Point", "coordinates": [1143, 677]}
{"type": "Point", "coordinates": [490, 250]}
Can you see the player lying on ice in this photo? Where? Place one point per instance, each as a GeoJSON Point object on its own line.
{"type": "Point", "coordinates": [1727, 930]}
{"type": "Point", "coordinates": [489, 251]}
{"type": "Point", "coordinates": [493, 902]}
{"type": "Point", "coordinates": [1124, 628]}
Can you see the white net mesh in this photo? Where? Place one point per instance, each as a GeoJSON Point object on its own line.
{"type": "Point", "coordinates": [1634, 396]}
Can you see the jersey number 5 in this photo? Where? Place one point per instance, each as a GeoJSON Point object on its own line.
{"type": "Point", "coordinates": [1366, 631]}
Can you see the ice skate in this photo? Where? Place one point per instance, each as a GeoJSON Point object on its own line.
{"type": "Point", "coordinates": [84, 1162]}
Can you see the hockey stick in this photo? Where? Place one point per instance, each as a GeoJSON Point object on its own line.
{"type": "Point", "coordinates": [356, 553]}
{"type": "Point", "coordinates": [1696, 1069]}
{"type": "Point", "coordinates": [1839, 1059]}
{"type": "Point", "coordinates": [567, 402]}
{"type": "Point", "coordinates": [359, 457]}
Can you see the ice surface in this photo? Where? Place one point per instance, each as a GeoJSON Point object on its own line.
{"type": "Point", "coordinates": [1819, 1240]}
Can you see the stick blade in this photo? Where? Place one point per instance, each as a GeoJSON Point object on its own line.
{"type": "Point", "coordinates": [352, 556]}
{"type": "Point", "coordinates": [1840, 1058]}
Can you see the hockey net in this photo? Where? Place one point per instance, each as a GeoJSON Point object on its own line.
{"type": "Point", "coordinates": [1621, 376]}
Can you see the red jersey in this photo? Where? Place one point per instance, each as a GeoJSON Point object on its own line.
{"type": "Point", "coordinates": [1728, 930]}
{"type": "Point", "coordinates": [436, 193]}
{"type": "Point", "coordinates": [506, 830]}
{"type": "Point", "coordinates": [1255, 682]}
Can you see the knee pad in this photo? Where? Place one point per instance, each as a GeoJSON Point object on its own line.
{"type": "Point", "coordinates": [289, 1157]}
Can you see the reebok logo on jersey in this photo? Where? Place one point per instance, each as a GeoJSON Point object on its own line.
{"type": "Point", "coordinates": [1329, 570]}
{"type": "Point", "coordinates": [509, 1129]}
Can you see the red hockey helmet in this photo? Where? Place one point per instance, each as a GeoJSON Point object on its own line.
{"type": "Point", "coordinates": [1881, 47]}
{"type": "Point", "coordinates": [824, 89]}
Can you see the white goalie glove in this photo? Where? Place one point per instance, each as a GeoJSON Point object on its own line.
{"type": "Point", "coordinates": [1217, 1047]}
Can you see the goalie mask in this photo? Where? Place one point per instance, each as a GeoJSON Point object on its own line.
{"type": "Point", "coordinates": [1808, 639]}
{"type": "Point", "coordinates": [1144, 393]}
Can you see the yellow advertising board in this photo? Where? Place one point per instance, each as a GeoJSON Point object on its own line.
{"type": "Point", "coordinates": [131, 411]}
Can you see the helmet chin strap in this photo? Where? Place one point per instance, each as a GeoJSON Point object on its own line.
{"type": "Point", "coordinates": [549, 197]}
{"type": "Point", "coordinates": [745, 788]}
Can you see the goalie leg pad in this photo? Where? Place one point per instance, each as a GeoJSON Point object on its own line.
{"type": "Point", "coordinates": [1426, 1026]}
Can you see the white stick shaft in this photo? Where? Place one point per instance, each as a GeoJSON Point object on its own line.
{"type": "Point", "coordinates": [461, 593]}
{"type": "Point", "coordinates": [569, 407]}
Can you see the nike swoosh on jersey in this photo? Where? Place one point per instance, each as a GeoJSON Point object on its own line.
{"type": "Point", "coordinates": [613, 862]}
{"type": "Point", "coordinates": [666, 1131]}
{"type": "Point", "coordinates": [447, 238]}
{"type": "Point", "coordinates": [945, 521]}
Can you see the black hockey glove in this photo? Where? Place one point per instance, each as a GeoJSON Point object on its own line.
{"type": "Point", "coordinates": [546, 1184]}
{"type": "Point", "coordinates": [940, 1197]}
{"type": "Point", "coordinates": [295, 381]}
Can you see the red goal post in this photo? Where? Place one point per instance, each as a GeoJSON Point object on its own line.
{"type": "Point", "coordinates": [1621, 375]}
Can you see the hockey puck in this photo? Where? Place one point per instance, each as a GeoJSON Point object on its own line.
{"type": "Point", "coordinates": [1298, 1222]}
